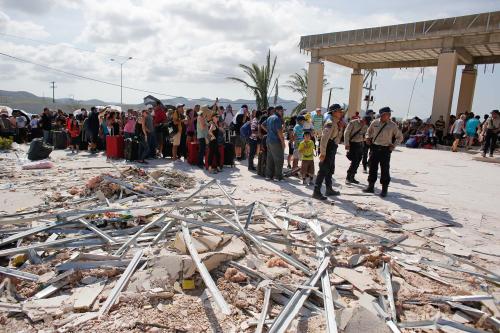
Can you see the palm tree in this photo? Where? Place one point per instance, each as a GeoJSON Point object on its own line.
{"type": "Point", "coordinates": [261, 78]}
{"type": "Point", "coordinates": [298, 84]}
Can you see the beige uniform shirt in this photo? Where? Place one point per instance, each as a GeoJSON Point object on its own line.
{"type": "Point", "coordinates": [492, 124]}
{"type": "Point", "coordinates": [331, 131]}
{"type": "Point", "coordinates": [355, 131]}
{"type": "Point", "coordinates": [390, 134]}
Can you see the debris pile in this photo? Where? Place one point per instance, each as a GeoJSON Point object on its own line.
{"type": "Point", "coordinates": [153, 251]}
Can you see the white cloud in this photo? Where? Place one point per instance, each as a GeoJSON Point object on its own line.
{"type": "Point", "coordinates": [22, 28]}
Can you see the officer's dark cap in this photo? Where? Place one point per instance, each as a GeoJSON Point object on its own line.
{"type": "Point", "coordinates": [385, 109]}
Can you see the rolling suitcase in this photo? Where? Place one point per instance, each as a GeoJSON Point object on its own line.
{"type": "Point", "coordinates": [59, 140]}
{"type": "Point", "coordinates": [193, 148]}
{"type": "Point", "coordinates": [131, 149]}
{"type": "Point", "coordinates": [229, 154]}
{"type": "Point", "coordinates": [114, 146]}
{"type": "Point", "coordinates": [221, 162]}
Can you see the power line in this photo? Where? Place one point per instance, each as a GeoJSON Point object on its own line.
{"type": "Point", "coordinates": [106, 82]}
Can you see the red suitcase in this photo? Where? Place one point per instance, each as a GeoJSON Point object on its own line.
{"type": "Point", "coordinates": [193, 148]}
{"type": "Point", "coordinates": [221, 152]}
{"type": "Point", "coordinates": [114, 146]}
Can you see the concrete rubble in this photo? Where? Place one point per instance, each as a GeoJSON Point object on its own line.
{"type": "Point", "coordinates": [134, 250]}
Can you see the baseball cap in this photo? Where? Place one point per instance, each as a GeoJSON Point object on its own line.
{"type": "Point", "coordinates": [385, 109]}
{"type": "Point", "coordinates": [300, 118]}
{"type": "Point", "coordinates": [178, 105]}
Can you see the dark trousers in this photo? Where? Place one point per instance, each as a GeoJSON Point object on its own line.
{"type": "Point", "coordinates": [201, 151]}
{"type": "Point", "coordinates": [251, 153]}
{"type": "Point", "coordinates": [152, 144]}
{"type": "Point", "coordinates": [366, 151]}
{"type": "Point", "coordinates": [213, 152]}
{"type": "Point", "coordinates": [275, 159]}
{"type": "Point", "coordinates": [356, 154]}
{"type": "Point", "coordinates": [490, 141]}
{"type": "Point", "coordinates": [327, 167]}
{"type": "Point", "coordinates": [380, 155]}
{"type": "Point", "coordinates": [439, 135]}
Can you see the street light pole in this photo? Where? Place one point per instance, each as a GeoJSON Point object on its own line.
{"type": "Point", "coordinates": [121, 78]}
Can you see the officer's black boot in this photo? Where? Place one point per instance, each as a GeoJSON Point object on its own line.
{"type": "Point", "coordinates": [383, 194]}
{"type": "Point", "coordinates": [317, 194]}
{"type": "Point", "coordinates": [370, 188]}
{"type": "Point", "coordinates": [330, 191]}
{"type": "Point", "coordinates": [348, 179]}
{"type": "Point", "coordinates": [353, 180]}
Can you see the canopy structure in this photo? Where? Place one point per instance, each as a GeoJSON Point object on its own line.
{"type": "Point", "coordinates": [445, 43]}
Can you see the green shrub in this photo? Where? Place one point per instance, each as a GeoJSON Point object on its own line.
{"type": "Point", "coordinates": [5, 143]}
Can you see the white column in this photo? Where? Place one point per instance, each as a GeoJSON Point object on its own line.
{"type": "Point", "coordinates": [467, 87]}
{"type": "Point", "coordinates": [445, 83]}
{"type": "Point", "coordinates": [315, 84]}
{"type": "Point", "coordinates": [355, 93]}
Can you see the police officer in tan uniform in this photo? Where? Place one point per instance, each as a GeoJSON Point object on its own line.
{"type": "Point", "coordinates": [354, 137]}
{"type": "Point", "coordinates": [383, 136]}
{"type": "Point", "coordinates": [330, 139]}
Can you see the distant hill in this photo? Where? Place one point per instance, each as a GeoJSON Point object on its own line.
{"type": "Point", "coordinates": [34, 104]}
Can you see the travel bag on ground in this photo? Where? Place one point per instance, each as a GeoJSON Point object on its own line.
{"type": "Point", "coordinates": [229, 154]}
{"type": "Point", "coordinates": [221, 162]}
{"type": "Point", "coordinates": [114, 146]}
{"type": "Point", "coordinates": [38, 150]}
{"type": "Point", "coordinates": [131, 149]}
{"type": "Point", "coordinates": [59, 140]}
{"type": "Point", "coordinates": [193, 148]}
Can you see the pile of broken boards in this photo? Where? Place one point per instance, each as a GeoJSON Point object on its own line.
{"type": "Point", "coordinates": [201, 262]}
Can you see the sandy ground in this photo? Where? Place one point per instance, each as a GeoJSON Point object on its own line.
{"type": "Point", "coordinates": [456, 193]}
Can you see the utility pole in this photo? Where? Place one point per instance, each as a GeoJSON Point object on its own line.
{"type": "Point", "coordinates": [330, 95]}
{"type": "Point", "coordinates": [53, 86]}
{"type": "Point", "coordinates": [121, 77]}
{"type": "Point", "coordinates": [370, 88]}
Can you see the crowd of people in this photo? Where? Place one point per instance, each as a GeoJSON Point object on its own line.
{"type": "Point", "coordinates": [163, 132]}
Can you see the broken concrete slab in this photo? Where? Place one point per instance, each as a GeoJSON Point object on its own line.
{"type": "Point", "coordinates": [363, 320]}
{"type": "Point", "coordinates": [359, 280]}
{"type": "Point", "coordinates": [457, 249]}
{"type": "Point", "coordinates": [38, 309]}
{"type": "Point", "coordinates": [85, 296]}
{"type": "Point", "coordinates": [202, 243]}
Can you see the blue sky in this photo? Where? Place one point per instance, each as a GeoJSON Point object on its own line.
{"type": "Point", "coordinates": [189, 47]}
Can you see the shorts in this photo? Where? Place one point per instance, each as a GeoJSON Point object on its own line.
{"type": "Point", "coordinates": [75, 141]}
{"type": "Point", "coordinates": [290, 148]}
{"type": "Point", "coordinates": [471, 134]}
{"type": "Point", "coordinates": [239, 141]}
{"type": "Point", "coordinates": [307, 168]}
{"type": "Point", "coordinates": [176, 139]}
{"type": "Point", "coordinates": [457, 136]}
{"type": "Point", "coordinates": [160, 134]}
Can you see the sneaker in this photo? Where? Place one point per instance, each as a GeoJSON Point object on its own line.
{"type": "Point", "coordinates": [268, 178]}
{"type": "Point", "coordinates": [491, 155]}
{"type": "Point", "coordinates": [278, 179]}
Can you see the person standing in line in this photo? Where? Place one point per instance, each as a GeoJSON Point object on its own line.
{"type": "Point", "coordinates": [275, 145]}
{"type": "Point", "coordinates": [253, 140]}
{"type": "Point", "coordinates": [46, 121]}
{"type": "Point", "coordinates": [354, 137]}
{"type": "Point", "coordinates": [92, 129]}
{"type": "Point", "coordinates": [74, 134]}
{"type": "Point", "coordinates": [298, 134]}
{"type": "Point", "coordinates": [383, 136]}
{"type": "Point", "coordinates": [202, 134]}
{"type": "Point", "coordinates": [439, 125]}
{"type": "Point", "coordinates": [177, 123]}
{"type": "Point", "coordinates": [471, 127]}
{"type": "Point", "coordinates": [330, 139]}
{"type": "Point", "coordinates": [159, 122]}
{"type": "Point", "coordinates": [213, 147]}
{"type": "Point", "coordinates": [490, 132]}
{"type": "Point", "coordinates": [458, 130]}
{"type": "Point", "coordinates": [306, 149]}
{"type": "Point", "coordinates": [151, 138]}
{"type": "Point", "coordinates": [228, 116]}
{"type": "Point", "coordinates": [317, 121]}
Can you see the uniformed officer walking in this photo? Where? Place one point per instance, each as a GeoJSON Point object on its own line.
{"type": "Point", "coordinates": [382, 136]}
{"type": "Point", "coordinates": [354, 137]}
{"type": "Point", "coordinates": [366, 148]}
{"type": "Point", "coordinates": [330, 139]}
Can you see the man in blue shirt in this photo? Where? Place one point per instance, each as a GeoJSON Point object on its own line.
{"type": "Point", "coordinates": [471, 127]}
{"type": "Point", "coordinates": [275, 145]}
{"type": "Point", "coordinates": [298, 131]}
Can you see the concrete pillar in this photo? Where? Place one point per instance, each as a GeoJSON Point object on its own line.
{"type": "Point", "coordinates": [315, 84]}
{"type": "Point", "coordinates": [445, 83]}
{"type": "Point", "coordinates": [355, 93]}
{"type": "Point", "coordinates": [467, 87]}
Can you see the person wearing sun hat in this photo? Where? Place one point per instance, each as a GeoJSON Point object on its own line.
{"type": "Point", "coordinates": [330, 139]}
{"type": "Point", "coordinates": [383, 136]}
